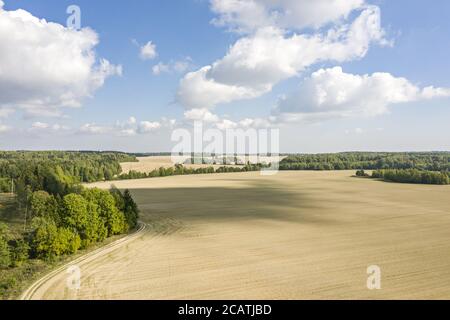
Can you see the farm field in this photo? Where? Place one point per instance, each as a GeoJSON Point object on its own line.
{"type": "Point", "coordinates": [294, 235]}
{"type": "Point", "coordinates": [148, 164]}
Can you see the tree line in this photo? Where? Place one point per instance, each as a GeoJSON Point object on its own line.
{"type": "Point", "coordinates": [428, 161]}
{"type": "Point", "coordinates": [63, 225]}
{"type": "Point", "coordinates": [412, 176]}
{"type": "Point", "coordinates": [57, 171]}
{"type": "Point", "coordinates": [182, 170]}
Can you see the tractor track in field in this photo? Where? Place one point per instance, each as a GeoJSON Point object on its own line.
{"type": "Point", "coordinates": [30, 293]}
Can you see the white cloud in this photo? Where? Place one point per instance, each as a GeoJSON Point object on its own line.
{"type": "Point", "coordinates": [331, 93]}
{"type": "Point", "coordinates": [209, 118]}
{"type": "Point", "coordinates": [40, 125]}
{"type": "Point", "coordinates": [58, 127]}
{"type": "Point", "coordinates": [240, 15]}
{"type": "Point", "coordinates": [168, 123]}
{"type": "Point", "coordinates": [45, 66]}
{"type": "Point", "coordinates": [226, 124]}
{"type": "Point", "coordinates": [197, 91]}
{"type": "Point", "coordinates": [92, 128]}
{"type": "Point", "coordinates": [247, 123]}
{"type": "Point", "coordinates": [132, 120]}
{"type": "Point", "coordinates": [256, 123]}
{"type": "Point", "coordinates": [127, 128]}
{"type": "Point", "coordinates": [127, 132]}
{"type": "Point", "coordinates": [179, 66]}
{"type": "Point", "coordinates": [249, 15]}
{"type": "Point", "coordinates": [130, 127]}
{"type": "Point", "coordinates": [201, 115]}
{"type": "Point", "coordinates": [148, 51]}
{"type": "Point", "coordinates": [254, 64]}
{"type": "Point", "coordinates": [147, 126]}
{"type": "Point", "coordinates": [161, 68]}
{"type": "Point", "coordinates": [45, 127]}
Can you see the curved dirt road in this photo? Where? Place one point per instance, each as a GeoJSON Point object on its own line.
{"type": "Point", "coordinates": [34, 292]}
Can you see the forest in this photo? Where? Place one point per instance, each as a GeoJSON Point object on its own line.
{"type": "Point", "coordinates": [182, 170]}
{"type": "Point", "coordinates": [57, 216]}
{"type": "Point", "coordinates": [429, 161]}
{"type": "Point", "coordinates": [412, 176]}
{"type": "Point", "coordinates": [55, 170]}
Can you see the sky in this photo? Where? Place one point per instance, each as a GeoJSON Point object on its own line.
{"type": "Point", "coordinates": [331, 75]}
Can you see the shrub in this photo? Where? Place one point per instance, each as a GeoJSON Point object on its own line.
{"type": "Point", "coordinates": [362, 173]}
{"type": "Point", "coordinates": [19, 252]}
{"type": "Point", "coordinates": [5, 254]}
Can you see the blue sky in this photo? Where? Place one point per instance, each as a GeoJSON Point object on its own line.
{"type": "Point", "coordinates": [412, 45]}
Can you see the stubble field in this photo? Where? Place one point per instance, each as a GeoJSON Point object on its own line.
{"type": "Point", "coordinates": [148, 164]}
{"type": "Point", "coordinates": [295, 235]}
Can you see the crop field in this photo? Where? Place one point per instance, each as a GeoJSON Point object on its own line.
{"type": "Point", "coordinates": [147, 164]}
{"type": "Point", "coordinates": [294, 235]}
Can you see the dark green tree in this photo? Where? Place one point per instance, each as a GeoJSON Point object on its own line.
{"type": "Point", "coordinates": [131, 210]}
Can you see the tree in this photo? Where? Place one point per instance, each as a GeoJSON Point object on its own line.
{"type": "Point", "coordinates": [95, 228]}
{"type": "Point", "coordinates": [118, 198]}
{"type": "Point", "coordinates": [67, 242]}
{"type": "Point", "coordinates": [113, 218]}
{"type": "Point", "coordinates": [44, 237]}
{"type": "Point", "coordinates": [131, 210]}
{"type": "Point", "coordinates": [75, 214]}
{"type": "Point", "coordinates": [5, 254]}
{"type": "Point", "coordinates": [49, 241]}
{"type": "Point", "coordinates": [43, 204]}
{"type": "Point", "coordinates": [19, 252]}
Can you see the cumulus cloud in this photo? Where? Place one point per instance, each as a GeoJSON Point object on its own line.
{"type": "Point", "coordinates": [128, 128]}
{"type": "Point", "coordinates": [94, 129]}
{"type": "Point", "coordinates": [148, 51]}
{"type": "Point", "coordinates": [131, 120]}
{"type": "Point", "coordinates": [127, 132]}
{"type": "Point", "coordinates": [45, 66]}
{"type": "Point", "coordinates": [255, 63]}
{"type": "Point", "coordinates": [197, 91]}
{"type": "Point", "coordinates": [40, 125]}
{"type": "Point", "coordinates": [256, 123]}
{"type": "Point", "coordinates": [45, 127]}
{"type": "Point", "coordinates": [148, 126]}
{"type": "Point", "coordinates": [226, 124]}
{"type": "Point", "coordinates": [210, 119]}
{"type": "Point", "coordinates": [201, 115]}
{"type": "Point", "coordinates": [179, 66]}
{"type": "Point", "coordinates": [330, 93]}
{"type": "Point", "coordinates": [249, 15]}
